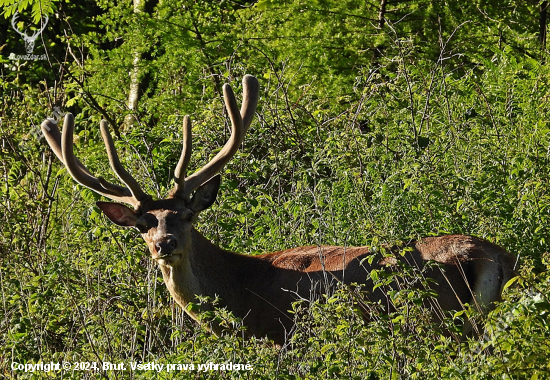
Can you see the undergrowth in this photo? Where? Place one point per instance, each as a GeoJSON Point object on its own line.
{"type": "Point", "coordinates": [418, 149]}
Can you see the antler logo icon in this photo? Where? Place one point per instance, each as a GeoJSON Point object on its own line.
{"type": "Point", "coordinates": [29, 40]}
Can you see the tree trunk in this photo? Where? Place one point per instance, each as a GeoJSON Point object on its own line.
{"type": "Point", "coordinates": [377, 52]}
{"type": "Point", "coordinates": [382, 14]}
{"type": "Point", "coordinates": [542, 24]}
{"type": "Point", "coordinates": [133, 95]}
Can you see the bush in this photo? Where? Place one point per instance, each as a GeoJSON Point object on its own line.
{"type": "Point", "coordinates": [417, 148]}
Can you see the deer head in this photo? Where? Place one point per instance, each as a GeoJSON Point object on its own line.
{"type": "Point", "coordinates": [29, 40]}
{"type": "Point", "coordinates": [165, 224]}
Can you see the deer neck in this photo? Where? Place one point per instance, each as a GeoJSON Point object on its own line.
{"type": "Point", "coordinates": [206, 270]}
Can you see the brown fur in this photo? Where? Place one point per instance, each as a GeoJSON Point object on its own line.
{"type": "Point", "coordinates": [261, 289]}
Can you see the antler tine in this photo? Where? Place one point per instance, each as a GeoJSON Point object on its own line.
{"type": "Point", "coordinates": [117, 167]}
{"type": "Point", "coordinates": [98, 185]}
{"type": "Point", "coordinates": [181, 168]}
{"type": "Point", "coordinates": [228, 151]}
{"type": "Point", "coordinates": [251, 91]}
{"type": "Point", "coordinates": [53, 137]}
{"type": "Point", "coordinates": [240, 121]}
{"type": "Point", "coordinates": [62, 146]}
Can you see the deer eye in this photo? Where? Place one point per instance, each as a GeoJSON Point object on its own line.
{"type": "Point", "coordinates": [142, 227]}
{"type": "Point", "coordinates": [146, 222]}
{"type": "Point", "coordinates": [187, 216]}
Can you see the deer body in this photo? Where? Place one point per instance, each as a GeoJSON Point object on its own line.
{"type": "Point", "coordinates": [261, 289]}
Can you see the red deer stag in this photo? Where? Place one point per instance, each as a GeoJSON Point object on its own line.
{"type": "Point", "coordinates": [260, 289]}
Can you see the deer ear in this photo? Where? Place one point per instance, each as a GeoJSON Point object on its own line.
{"type": "Point", "coordinates": [205, 195]}
{"type": "Point", "coordinates": [119, 214]}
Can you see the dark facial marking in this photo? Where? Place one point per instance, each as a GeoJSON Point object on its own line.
{"type": "Point", "coordinates": [146, 222]}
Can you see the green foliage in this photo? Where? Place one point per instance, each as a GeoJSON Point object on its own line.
{"type": "Point", "coordinates": [38, 8]}
{"type": "Point", "coordinates": [434, 123]}
{"type": "Point", "coordinates": [520, 331]}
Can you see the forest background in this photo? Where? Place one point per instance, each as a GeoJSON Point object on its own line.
{"type": "Point", "coordinates": [379, 122]}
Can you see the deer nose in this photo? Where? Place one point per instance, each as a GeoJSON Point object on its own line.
{"type": "Point", "coordinates": [166, 247]}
